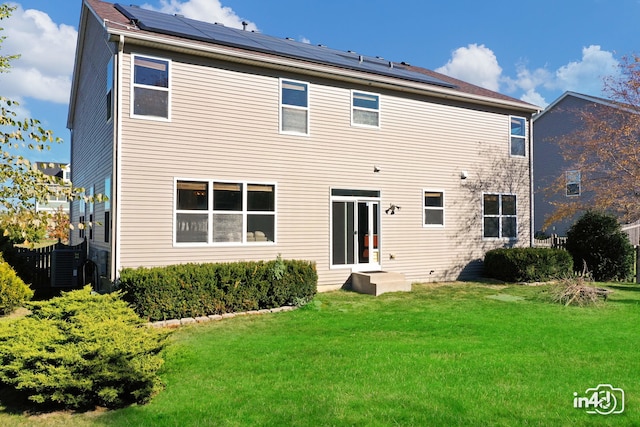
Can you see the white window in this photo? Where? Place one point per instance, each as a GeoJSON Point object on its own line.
{"type": "Point", "coordinates": [216, 212]}
{"type": "Point", "coordinates": [107, 209]}
{"type": "Point", "coordinates": [110, 89]}
{"type": "Point", "coordinates": [365, 109]}
{"type": "Point", "coordinates": [433, 204]}
{"type": "Point", "coordinates": [150, 96]}
{"type": "Point", "coordinates": [294, 107]}
{"type": "Point", "coordinates": [91, 213]}
{"type": "Point", "coordinates": [518, 136]}
{"type": "Point", "coordinates": [573, 183]}
{"type": "Point", "coordinates": [499, 216]}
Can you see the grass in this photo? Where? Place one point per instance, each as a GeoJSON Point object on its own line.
{"type": "Point", "coordinates": [458, 354]}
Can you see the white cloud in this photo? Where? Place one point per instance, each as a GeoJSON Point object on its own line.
{"type": "Point", "coordinates": [586, 75]}
{"type": "Point", "coordinates": [533, 97]}
{"type": "Point", "coordinates": [203, 10]}
{"type": "Point", "coordinates": [475, 64]}
{"type": "Point", "coordinates": [46, 51]}
{"type": "Point", "coordinates": [478, 64]}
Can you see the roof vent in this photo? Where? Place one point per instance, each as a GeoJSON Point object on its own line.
{"type": "Point", "coordinates": [379, 57]}
{"type": "Point", "coordinates": [390, 64]}
{"type": "Point", "coordinates": [405, 63]}
{"type": "Point", "coordinates": [288, 38]}
{"type": "Point", "coordinates": [351, 51]}
{"type": "Point", "coordinates": [244, 25]}
{"type": "Point", "coordinates": [360, 59]}
{"type": "Point", "coordinates": [178, 15]}
{"type": "Point", "coordinates": [322, 45]}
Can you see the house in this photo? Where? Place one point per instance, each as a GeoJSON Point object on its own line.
{"type": "Point", "coordinates": [57, 200]}
{"type": "Point", "coordinates": [558, 120]}
{"type": "Point", "coordinates": [216, 144]}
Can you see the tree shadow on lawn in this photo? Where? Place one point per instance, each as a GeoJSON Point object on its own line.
{"type": "Point", "coordinates": [632, 287]}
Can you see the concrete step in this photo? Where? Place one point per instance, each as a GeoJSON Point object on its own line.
{"type": "Point", "coordinates": [379, 282]}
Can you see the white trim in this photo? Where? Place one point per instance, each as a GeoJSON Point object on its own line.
{"type": "Point", "coordinates": [281, 106]}
{"type": "Point", "coordinates": [425, 208]}
{"type": "Point", "coordinates": [567, 182]}
{"type": "Point", "coordinates": [378, 110]}
{"type": "Point", "coordinates": [523, 137]}
{"type": "Point", "coordinates": [500, 215]}
{"type": "Point", "coordinates": [135, 85]}
{"type": "Point", "coordinates": [355, 267]}
{"type": "Point", "coordinates": [210, 212]}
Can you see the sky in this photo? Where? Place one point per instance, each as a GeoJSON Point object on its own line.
{"type": "Point", "coordinates": [533, 51]}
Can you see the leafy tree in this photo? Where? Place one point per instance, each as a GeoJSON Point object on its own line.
{"type": "Point", "coordinates": [605, 149]}
{"type": "Point", "coordinates": [58, 226]}
{"type": "Point", "coordinates": [22, 185]}
{"type": "Point", "coordinates": [597, 241]}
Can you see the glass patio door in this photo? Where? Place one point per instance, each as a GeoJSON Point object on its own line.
{"type": "Point", "coordinates": [356, 234]}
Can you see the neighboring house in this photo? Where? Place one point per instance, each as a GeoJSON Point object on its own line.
{"type": "Point", "coordinates": [559, 119]}
{"type": "Point", "coordinates": [61, 171]}
{"type": "Point", "coordinates": [216, 144]}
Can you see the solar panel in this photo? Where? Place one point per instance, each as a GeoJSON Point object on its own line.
{"type": "Point", "coordinates": [177, 25]}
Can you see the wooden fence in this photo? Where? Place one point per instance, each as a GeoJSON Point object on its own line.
{"type": "Point", "coordinates": [554, 241]}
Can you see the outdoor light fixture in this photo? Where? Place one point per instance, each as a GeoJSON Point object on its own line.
{"type": "Point", "coordinates": [391, 210]}
{"type": "Point", "coordinates": [464, 175]}
{"type": "Point", "coordinates": [376, 169]}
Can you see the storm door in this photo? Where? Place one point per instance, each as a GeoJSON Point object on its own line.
{"type": "Point", "coordinates": [355, 236]}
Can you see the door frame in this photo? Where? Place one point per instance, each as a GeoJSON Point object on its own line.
{"type": "Point", "coordinates": [372, 198]}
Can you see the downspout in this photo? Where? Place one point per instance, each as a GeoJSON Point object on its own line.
{"type": "Point", "coordinates": [531, 186]}
{"type": "Point", "coordinates": [116, 164]}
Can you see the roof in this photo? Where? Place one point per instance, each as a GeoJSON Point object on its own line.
{"type": "Point", "coordinates": [165, 31]}
{"type": "Point", "coordinates": [594, 99]}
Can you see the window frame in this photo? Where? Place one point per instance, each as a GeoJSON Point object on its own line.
{"type": "Point", "coordinates": [354, 108]}
{"type": "Point", "coordinates": [135, 85]}
{"type": "Point", "coordinates": [109, 95]}
{"type": "Point", "coordinates": [425, 208]}
{"type": "Point", "coordinates": [500, 216]}
{"type": "Point", "coordinates": [521, 137]}
{"type": "Point", "coordinates": [211, 212]}
{"type": "Point", "coordinates": [282, 106]}
{"type": "Point", "coordinates": [573, 182]}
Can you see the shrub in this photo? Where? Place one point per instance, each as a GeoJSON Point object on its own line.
{"type": "Point", "coordinates": [597, 240]}
{"type": "Point", "coordinates": [527, 264]}
{"type": "Point", "coordinates": [190, 290]}
{"type": "Point", "coordinates": [81, 350]}
{"type": "Point", "coordinates": [13, 291]}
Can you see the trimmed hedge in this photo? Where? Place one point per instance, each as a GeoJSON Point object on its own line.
{"type": "Point", "coordinates": [527, 264]}
{"type": "Point", "coordinates": [190, 290]}
{"type": "Point", "coordinates": [13, 291]}
{"type": "Point", "coordinates": [79, 351]}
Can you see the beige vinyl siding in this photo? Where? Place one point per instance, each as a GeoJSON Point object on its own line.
{"type": "Point", "coordinates": [225, 126]}
{"type": "Point", "coordinates": [92, 137]}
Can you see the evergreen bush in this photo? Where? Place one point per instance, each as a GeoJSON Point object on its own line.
{"type": "Point", "coordinates": [13, 291]}
{"type": "Point", "coordinates": [597, 241]}
{"type": "Point", "coordinates": [190, 290]}
{"type": "Point", "coordinates": [527, 264]}
{"type": "Point", "coordinates": [81, 350]}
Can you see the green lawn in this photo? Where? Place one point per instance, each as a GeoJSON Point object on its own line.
{"type": "Point", "coordinates": [462, 354]}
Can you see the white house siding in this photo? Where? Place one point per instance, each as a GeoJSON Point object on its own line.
{"type": "Point", "coordinates": [225, 126]}
{"type": "Point", "coordinates": [92, 137]}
